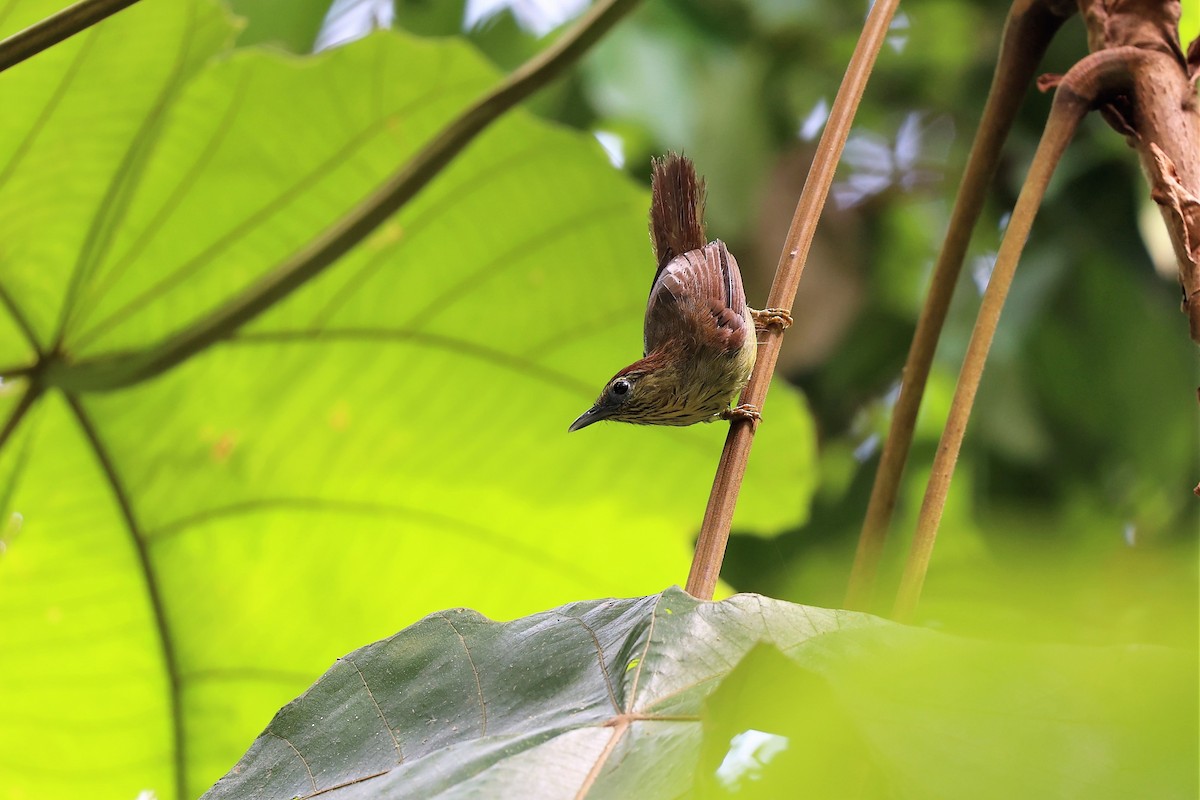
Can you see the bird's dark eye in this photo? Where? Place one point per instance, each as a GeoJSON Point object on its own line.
{"type": "Point", "coordinates": [620, 388]}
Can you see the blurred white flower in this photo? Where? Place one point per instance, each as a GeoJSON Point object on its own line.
{"type": "Point", "coordinates": [349, 20]}
{"type": "Point", "coordinates": [912, 160]}
{"type": "Point", "coordinates": [815, 121]}
{"type": "Point", "coordinates": [749, 752]}
{"type": "Point", "coordinates": [613, 145]}
{"type": "Point", "coordinates": [536, 16]}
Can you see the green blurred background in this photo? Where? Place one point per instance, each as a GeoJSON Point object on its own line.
{"type": "Point", "coordinates": [261, 471]}
{"type": "Point", "coordinates": [1071, 510]}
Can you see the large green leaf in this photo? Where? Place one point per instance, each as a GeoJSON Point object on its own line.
{"type": "Point", "coordinates": [600, 694]}
{"type": "Point", "coordinates": [654, 697]}
{"type": "Point", "coordinates": [386, 441]}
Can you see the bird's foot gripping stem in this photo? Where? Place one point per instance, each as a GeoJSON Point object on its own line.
{"type": "Point", "coordinates": [771, 318]}
{"type": "Point", "coordinates": [743, 413]}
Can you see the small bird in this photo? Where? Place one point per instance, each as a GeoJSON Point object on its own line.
{"type": "Point", "coordinates": [699, 335]}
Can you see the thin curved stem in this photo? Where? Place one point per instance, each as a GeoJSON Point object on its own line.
{"type": "Point", "coordinates": [1028, 30]}
{"type": "Point", "coordinates": [1073, 99]}
{"type": "Point", "coordinates": [54, 29]}
{"type": "Point", "coordinates": [117, 371]}
{"type": "Point", "coordinates": [718, 516]}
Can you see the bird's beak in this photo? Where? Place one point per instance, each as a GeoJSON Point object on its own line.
{"type": "Point", "coordinates": [593, 414]}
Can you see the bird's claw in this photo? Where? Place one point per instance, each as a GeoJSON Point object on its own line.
{"type": "Point", "coordinates": [772, 318]}
{"type": "Point", "coordinates": [743, 413]}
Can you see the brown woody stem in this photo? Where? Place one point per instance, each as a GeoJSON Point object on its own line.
{"type": "Point", "coordinates": [1028, 30]}
{"type": "Point", "coordinates": [1160, 118]}
{"type": "Point", "coordinates": [718, 516]}
{"type": "Point", "coordinates": [54, 29]}
{"type": "Point", "coordinates": [1074, 98]}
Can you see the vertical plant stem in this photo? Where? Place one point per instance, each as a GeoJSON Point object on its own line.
{"type": "Point", "coordinates": [1065, 113]}
{"type": "Point", "coordinates": [718, 516]}
{"type": "Point", "coordinates": [1028, 30]}
{"type": "Point", "coordinates": [54, 29]}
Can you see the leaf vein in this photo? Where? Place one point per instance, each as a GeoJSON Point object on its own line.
{"type": "Point", "coordinates": [637, 673]}
{"type": "Point", "coordinates": [538, 240]}
{"type": "Point", "coordinates": [52, 103]}
{"type": "Point", "coordinates": [154, 594]}
{"type": "Point", "coordinates": [522, 366]}
{"type": "Point", "coordinates": [387, 726]}
{"type": "Point", "coordinates": [612, 696]}
{"type": "Point", "coordinates": [478, 180]}
{"type": "Point", "coordinates": [474, 670]}
{"type": "Point", "coordinates": [249, 223]}
{"type": "Point", "coordinates": [288, 741]}
{"type": "Point", "coordinates": [168, 207]}
{"type": "Point", "coordinates": [18, 317]}
{"type": "Point", "coordinates": [113, 206]}
{"type": "Point", "coordinates": [464, 528]}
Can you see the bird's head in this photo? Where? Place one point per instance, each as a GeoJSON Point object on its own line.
{"type": "Point", "coordinates": [640, 394]}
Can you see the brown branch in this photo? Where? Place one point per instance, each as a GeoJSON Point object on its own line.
{"type": "Point", "coordinates": [54, 29]}
{"type": "Point", "coordinates": [1159, 116]}
{"type": "Point", "coordinates": [1096, 76]}
{"type": "Point", "coordinates": [1180, 208]}
{"type": "Point", "coordinates": [116, 371]}
{"type": "Point", "coordinates": [718, 516]}
{"type": "Point", "coordinates": [1028, 30]}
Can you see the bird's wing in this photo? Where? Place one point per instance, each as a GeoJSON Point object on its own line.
{"type": "Point", "coordinates": [698, 301]}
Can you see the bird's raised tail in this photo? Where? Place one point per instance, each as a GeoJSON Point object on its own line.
{"type": "Point", "coordinates": [676, 207]}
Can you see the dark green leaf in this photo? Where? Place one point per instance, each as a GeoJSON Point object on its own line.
{"type": "Point", "coordinates": [601, 698]}
{"type": "Point", "coordinates": [655, 697]}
